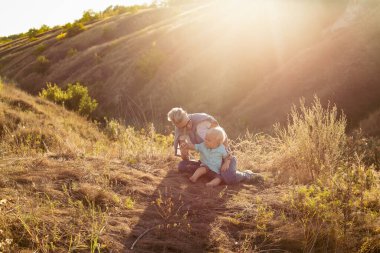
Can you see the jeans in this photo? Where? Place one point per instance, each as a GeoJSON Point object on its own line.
{"type": "Point", "coordinates": [230, 176]}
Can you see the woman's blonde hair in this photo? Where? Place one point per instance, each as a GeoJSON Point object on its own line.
{"type": "Point", "coordinates": [218, 133]}
{"type": "Point", "coordinates": [177, 115]}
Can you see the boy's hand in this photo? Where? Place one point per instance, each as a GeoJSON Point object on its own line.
{"type": "Point", "coordinates": [224, 167]}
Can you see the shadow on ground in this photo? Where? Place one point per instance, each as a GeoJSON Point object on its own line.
{"type": "Point", "coordinates": [180, 216]}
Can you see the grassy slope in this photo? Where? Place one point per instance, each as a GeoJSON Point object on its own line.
{"type": "Point", "coordinates": [50, 188]}
{"type": "Point", "coordinates": [183, 54]}
{"type": "Point", "coordinates": [79, 188]}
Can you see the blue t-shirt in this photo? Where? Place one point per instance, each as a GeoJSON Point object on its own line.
{"type": "Point", "coordinates": [212, 157]}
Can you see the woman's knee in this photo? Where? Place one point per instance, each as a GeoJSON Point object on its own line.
{"type": "Point", "coordinates": [182, 166]}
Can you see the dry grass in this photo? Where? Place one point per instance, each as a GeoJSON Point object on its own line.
{"type": "Point", "coordinates": [65, 186]}
{"type": "Point", "coordinates": [312, 144]}
{"type": "Point", "coordinates": [335, 178]}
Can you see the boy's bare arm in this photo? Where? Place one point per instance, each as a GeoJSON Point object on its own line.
{"type": "Point", "coordinates": [226, 163]}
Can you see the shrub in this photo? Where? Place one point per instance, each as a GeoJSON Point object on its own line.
{"type": "Point", "coordinates": [75, 29]}
{"type": "Point", "coordinates": [119, 9]}
{"type": "Point", "coordinates": [43, 28]}
{"type": "Point", "coordinates": [40, 48]}
{"type": "Point", "coordinates": [4, 40]}
{"type": "Point", "coordinates": [75, 97]}
{"type": "Point", "coordinates": [313, 142]}
{"type": "Point", "coordinates": [54, 94]}
{"type": "Point", "coordinates": [42, 64]}
{"type": "Point", "coordinates": [79, 100]}
{"type": "Point", "coordinates": [42, 59]}
{"type": "Point", "coordinates": [32, 32]}
{"type": "Point", "coordinates": [113, 129]}
{"type": "Point", "coordinates": [61, 36]}
{"type": "Point", "coordinates": [1, 85]}
{"type": "Point", "coordinates": [87, 105]}
{"type": "Point", "coordinates": [71, 52]}
{"type": "Point", "coordinates": [89, 16]}
{"type": "Point", "coordinates": [337, 210]}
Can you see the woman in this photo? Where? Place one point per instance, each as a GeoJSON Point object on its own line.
{"type": "Point", "coordinates": [192, 128]}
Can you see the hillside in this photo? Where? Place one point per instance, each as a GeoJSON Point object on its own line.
{"type": "Point", "coordinates": [341, 68]}
{"type": "Point", "coordinates": [140, 65]}
{"type": "Point", "coordinates": [68, 185]}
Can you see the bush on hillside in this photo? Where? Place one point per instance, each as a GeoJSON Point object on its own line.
{"type": "Point", "coordinates": [89, 16]}
{"type": "Point", "coordinates": [43, 28]}
{"type": "Point", "coordinates": [339, 209]}
{"type": "Point", "coordinates": [75, 97]}
{"type": "Point", "coordinates": [40, 48]}
{"type": "Point", "coordinates": [4, 40]}
{"type": "Point", "coordinates": [79, 100]}
{"type": "Point", "coordinates": [74, 29]}
{"type": "Point", "coordinates": [32, 32]}
{"type": "Point", "coordinates": [11, 37]}
{"type": "Point", "coordinates": [54, 93]}
{"type": "Point", "coordinates": [61, 36]}
{"type": "Point", "coordinates": [71, 52]}
{"type": "Point", "coordinates": [120, 9]}
{"type": "Point", "coordinates": [42, 64]}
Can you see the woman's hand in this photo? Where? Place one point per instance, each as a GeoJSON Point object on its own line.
{"type": "Point", "coordinates": [187, 145]}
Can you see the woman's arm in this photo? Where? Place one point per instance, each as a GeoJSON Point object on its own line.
{"type": "Point", "coordinates": [188, 145]}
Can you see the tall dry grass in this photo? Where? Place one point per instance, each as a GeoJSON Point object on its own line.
{"type": "Point", "coordinates": [313, 142]}
{"type": "Point", "coordinates": [335, 194]}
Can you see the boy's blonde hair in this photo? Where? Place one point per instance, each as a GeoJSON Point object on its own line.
{"type": "Point", "coordinates": [177, 115]}
{"type": "Point", "coordinates": [218, 133]}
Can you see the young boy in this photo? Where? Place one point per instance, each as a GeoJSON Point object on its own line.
{"type": "Point", "coordinates": [212, 152]}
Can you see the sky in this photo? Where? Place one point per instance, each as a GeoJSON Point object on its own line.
{"type": "Point", "coordinates": [17, 16]}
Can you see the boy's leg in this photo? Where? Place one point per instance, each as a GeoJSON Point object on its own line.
{"type": "Point", "coordinates": [198, 173]}
{"type": "Point", "coordinates": [252, 177]}
{"type": "Point", "coordinates": [233, 176]}
{"type": "Point", "coordinates": [216, 181]}
{"type": "Point", "coordinates": [189, 166]}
